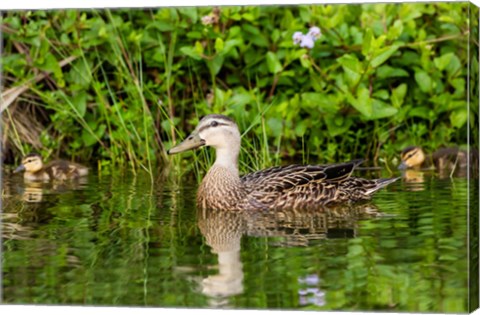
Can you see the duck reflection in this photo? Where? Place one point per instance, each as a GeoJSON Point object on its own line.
{"type": "Point", "coordinates": [224, 229]}
{"type": "Point", "coordinates": [415, 179]}
{"type": "Point", "coordinates": [34, 192]}
{"type": "Point", "coordinates": [13, 229]}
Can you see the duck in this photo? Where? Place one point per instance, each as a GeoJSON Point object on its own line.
{"type": "Point", "coordinates": [59, 170]}
{"type": "Point", "coordinates": [449, 158]}
{"type": "Point", "coordinates": [280, 187]}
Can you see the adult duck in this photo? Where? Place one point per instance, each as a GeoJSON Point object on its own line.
{"type": "Point", "coordinates": [281, 187]}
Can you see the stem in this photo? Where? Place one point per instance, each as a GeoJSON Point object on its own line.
{"type": "Point", "coordinates": [324, 75]}
{"type": "Point", "coordinates": [168, 69]}
{"type": "Point", "coordinates": [274, 85]}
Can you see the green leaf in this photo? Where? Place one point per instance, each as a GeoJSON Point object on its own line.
{"type": "Point", "coordinates": [424, 81]}
{"type": "Point", "coordinates": [385, 71]}
{"type": "Point", "coordinates": [199, 48]}
{"type": "Point", "coordinates": [191, 52]}
{"type": "Point", "coordinates": [80, 75]}
{"type": "Point", "coordinates": [319, 102]}
{"type": "Point", "coordinates": [239, 100]}
{"type": "Point", "coordinates": [369, 107]}
{"type": "Point", "coordinates": [101, 130]}
{"type": "Point", "coordinates": [248, 16]}
{"type": "Point", "coordinates": [442, 62]}
{"type": "Point", "coordinates": [275, 125]}
{"type": "Point", "coordinates": [362, 103]}
{"type": "Point", "coordinates": [255, 36]}
{"type": "Point", "coordinates": [367, 42]}
{"type": "Point", "coordinates": [382, 55]}
{"type": "Point", "coordinates": [410, 12]}
{"type": "Point", "coordinates": [274, 65]}
{"type": "Point", "coordinates": [458, 117]}
{"type": "Point", "coordinates": [79, 101]}
{"type": "Point", "coordinates": [190, 13]}
{"type": "Point", "coordinates": [300, 128]}
{"type": "Point", "coordinates": [353, 68]}
{"type": "Point", "coordinates": [382, 110]}
{"type": "Point", "coordinates": [351, 62]}
{"type": "Point", "coordinates": [194, 35]}
{"type": "Point", "coordinates": [88, 139]}
{"type": "Point", "coordinates": [337, 124]}
{"type": "Point", "coordinates": [381, 94]}
{"type": "Point", "coordinates": [163, 25]}
{"type": "Point", "coordinates": [215, 64]}
{"type": "Point", "coordinates": [395, 30]}
{"type": "Point", "coordinates": [305, 62]}
{"type": "Point", "coordinates": [398, 95]}
{"type": "Point", "coordinates": [218, 45]}
{"type": "Point", "coordinates": [230, 44]}
{"type": "Point", "coordinates": [459, 85]}
{"type": "Point", "coordinates": [420, 111]}
{"type": "Point", "coordinates": [454, 66]}
{"type": "Point", "coordinates": [51, 64]}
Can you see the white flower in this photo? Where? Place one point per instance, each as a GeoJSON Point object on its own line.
{"type": "Point", "coordinates": [314, 32]}
{"type": "Point", "coordinates": [207, 20]}
{"type": "Point", "coordinates": [307, 42]}
{"type": "Point", "coordinates": [297, 37]}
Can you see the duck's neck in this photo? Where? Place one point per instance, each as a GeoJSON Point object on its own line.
{"type": "Point", "coordinates": [222, 187]}
{"type": "Point", "coordinates": [227, 158]}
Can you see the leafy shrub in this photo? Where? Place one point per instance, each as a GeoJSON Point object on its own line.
{"type": "Point", "coordinates": [121, 85]}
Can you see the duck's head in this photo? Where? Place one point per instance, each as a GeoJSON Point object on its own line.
{"type": "Point", "coordinates": [31, 163]}
{"type": "Point", "coordinates": [217, 131]}
{"type": "Point", "coordinates": [411, 157]}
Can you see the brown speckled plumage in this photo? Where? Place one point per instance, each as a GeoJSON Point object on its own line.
{"type": "Point", "coordinates": [220, 189]}
{"type": "Point", "coordinates": [281, 187]}
{"type": "Point", "coordinates": [288, 187]}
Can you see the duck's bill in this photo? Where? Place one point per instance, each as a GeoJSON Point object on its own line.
{"type": "Point", "coordinates": [192, 142]}
{"type": "Point", "coordinates": [19, 169]}
{"type": "Point", "coordinates": [402, 166]}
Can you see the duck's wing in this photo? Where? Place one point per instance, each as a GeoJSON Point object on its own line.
{"type": "Point", "coordinates": [282, 178]}
{"type": "Point", "coordinates": [446, 153]}
{"type": "Point", "coordinates": [62, 169]}
{"type": "Point", "coordinates": [56, 169]}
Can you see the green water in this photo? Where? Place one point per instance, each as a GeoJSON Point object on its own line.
{"type": "Point", "coordinates": [121, 240]}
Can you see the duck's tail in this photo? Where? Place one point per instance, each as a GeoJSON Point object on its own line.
{"type": "Point", "coordinates": [380, 183]}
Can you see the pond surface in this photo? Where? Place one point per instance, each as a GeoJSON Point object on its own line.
{"type": "Point", "coordinates": [119, 240]}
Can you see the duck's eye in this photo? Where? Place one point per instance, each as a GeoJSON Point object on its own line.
{"type": "Point", "coordinates": [214, 124]}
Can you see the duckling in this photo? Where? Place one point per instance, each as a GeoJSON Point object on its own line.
{"type": "Point", "coordinates": [281, 187]}
{"type": "Point", "coordinates": [61, 170]}
{"type": "Point", "coordinates": [451, 158]}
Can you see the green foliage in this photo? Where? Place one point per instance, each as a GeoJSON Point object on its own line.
{"type": "Point", "coordinates": [381, 77]}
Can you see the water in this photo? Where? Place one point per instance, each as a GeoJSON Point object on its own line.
{"type": "Point", "coordinates": [119, 240]}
